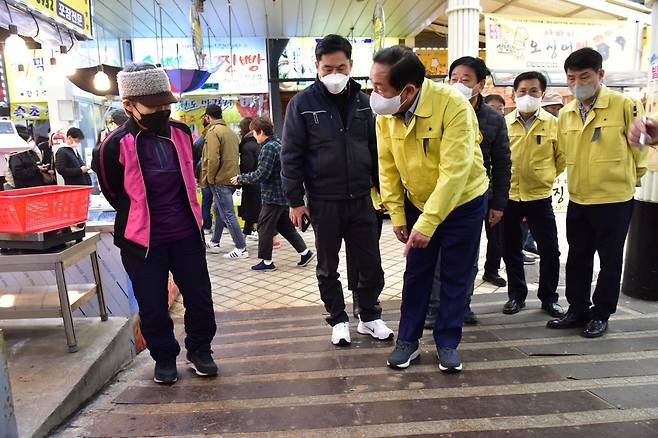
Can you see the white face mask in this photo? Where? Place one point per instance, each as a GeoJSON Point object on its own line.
{"type": "Point", "coordinates": [335, 82]}
{"type": "Point", "coordinates": [384, 105]}
{"type": "Point", "coordinates": [528, 104]}
{"type": "Point", "coordinates": [463, 89]}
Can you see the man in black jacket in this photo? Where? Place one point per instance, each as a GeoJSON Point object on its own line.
{"type": "Point", "coordinates": [69, 163]}
{"type": "Point", "coordinates": [329, 151]}
{"type": "Point", "coordinates": [468, 75]}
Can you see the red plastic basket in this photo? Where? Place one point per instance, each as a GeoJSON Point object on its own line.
{"type": "Point", "coordinates": [46, 208]}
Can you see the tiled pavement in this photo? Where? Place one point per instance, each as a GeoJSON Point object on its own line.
{"type": "Point", "coordinates": [236, 287]}
{"type": "Point", "coordinates": [280, 376]}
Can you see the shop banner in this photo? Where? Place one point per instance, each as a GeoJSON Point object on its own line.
{"type": "Point", "coordinates": [522, 43]}
{"type": "Point", "coordinates": [436, 60]}
{"type": "Point", "coordinates": [72, 14]}
{"type": "Point", "coordinates": [237, 66]}
{"type": "Point", "coordinates": [234, 108]}
{"type": "Point", "coordinates": [28, 94]}
{"type": "Point", "coordinates": [298, 59]}
{"type": "Point", "coordinates": [29, 111]}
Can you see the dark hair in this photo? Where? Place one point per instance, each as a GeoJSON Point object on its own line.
{"type": "Point", "coordinates": [119, 117]}
{"type": "Point", "coordinates": [214, 111]}
{"type": "Point", "coordinates": [583, 59]}
{"type": "Point", "coordinates": [530, 75]}
{"type": "Point", "coordinates": [405, 66]}
{"type": "Point", "coordinates": [333, 43]}
{"type": "Point", "coordinates": [244, 124]}
{"type": "Point", "coordinates": [23, 132]}
{"type": "Point", "coordinates": [476, 64]}
{"type": "Point", "coordinates": [75, 133]}
{"type": "Point", "coordinates": [262, 124]}
{"type": "Point", "coordinates": [492, 97]}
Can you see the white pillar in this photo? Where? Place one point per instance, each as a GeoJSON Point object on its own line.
{"type": "Point", "coordinates": [463, 28]}
{"type": "Point", "coordinates": [410, 41]}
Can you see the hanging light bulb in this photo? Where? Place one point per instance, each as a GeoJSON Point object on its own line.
{"type": "Point", "coordinates": [15, 45]}
{"type": "Point", "coordinates": [101, 80]}
{"type": "Point", "coordinates": [65, 62]}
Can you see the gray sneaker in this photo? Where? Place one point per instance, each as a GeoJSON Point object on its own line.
{"type": "Point", "coordinates": [449, 360]}
{"type": "Point", "coordinates": [404, 353]}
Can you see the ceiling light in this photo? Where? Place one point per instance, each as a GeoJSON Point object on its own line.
{"type": "Point", "coordinates": [15, 45]}
{"type": "Point", "coordinates": [101, 80]}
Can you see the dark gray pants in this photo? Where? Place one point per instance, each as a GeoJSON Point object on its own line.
{"type": "Point", "coordinates": [274, 219]}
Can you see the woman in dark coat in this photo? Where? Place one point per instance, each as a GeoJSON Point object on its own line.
{"type": "Point", "coordinates": [250, 206]}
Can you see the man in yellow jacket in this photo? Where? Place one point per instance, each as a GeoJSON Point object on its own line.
{"type": "Point", "coordinates": [603, 170]}
{"type": "Point", "coordinates": [537, 159]}
{"type": "Point", "coordinates": [433, 183]}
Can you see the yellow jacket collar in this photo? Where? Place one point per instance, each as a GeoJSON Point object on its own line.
{"type": "Point", "coordinates": [424, 108]}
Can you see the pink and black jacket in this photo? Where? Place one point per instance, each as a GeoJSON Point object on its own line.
{"type": "Point", "coordinates": [117, 165]}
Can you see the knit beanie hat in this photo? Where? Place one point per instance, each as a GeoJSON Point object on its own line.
{"type": "Point", "coordinates": [146, 84]}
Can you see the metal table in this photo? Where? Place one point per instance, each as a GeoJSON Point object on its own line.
{"type": "Point", "coordinates": [39, 301]}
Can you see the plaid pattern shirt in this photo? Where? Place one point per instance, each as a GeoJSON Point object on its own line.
{"type": "Point", "coordinates": [585, 111]}
{"type": "Point", "coordinates": [268, 173]}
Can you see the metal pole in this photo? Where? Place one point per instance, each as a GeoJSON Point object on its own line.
{"type": "Point", "coordinates": [8, 426]}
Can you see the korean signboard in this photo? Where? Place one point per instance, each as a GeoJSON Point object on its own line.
{"type": "Point", "coordinates": [28, 94]}
{"type": "Point", "coordinates": [234, 108]}
{"type": "Point", "coordinates": [73, 14]}
{"type": "Point", "coordinates": [298, 59]}
{"type": "Point", "coordinates": [523, 43]}
{"type": "Point", "coordinates": [237, 67]}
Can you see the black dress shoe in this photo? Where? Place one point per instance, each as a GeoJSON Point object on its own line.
{"type": "Point", "coordinates": [595, 328]}
{"type": "Point", "coordinates": [553, 309]}
{"type": "Point", "coordinates": [513, 306]}
{"type": "Point", "coordinates": [494, 279]}
{"type": "Point", "coordinates": [569, 320]}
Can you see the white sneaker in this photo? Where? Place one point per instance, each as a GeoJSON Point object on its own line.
{"type": "Point", "coordinates": [340, 334]}
{"type": "Point", "coordinates": [237, 254]}
{"type": "Point", "coordinates": [253, 236]}
{"type": "Point", "coordinates": [377, 329]}
{"type": "Point", "coordinates": [207, 231]}
{"type": "Point", "coordinates": [212, 247]}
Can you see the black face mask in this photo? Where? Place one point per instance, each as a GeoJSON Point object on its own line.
{"type": "Point", "coordinates": [156, 121]}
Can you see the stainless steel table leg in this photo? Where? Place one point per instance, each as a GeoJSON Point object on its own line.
{"type": "Point", "coordinates": [65, 306]}
{"type": "Point", "coordinates": [99, 288]}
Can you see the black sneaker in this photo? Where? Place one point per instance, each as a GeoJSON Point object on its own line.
{"type": "Point", "coordinates": [165, 372]}
{"type": "Point", "coordinates": [202, 363]}
{"type": "Point", "coordinates": [262, 266]}
{"type": "Point", "coordinates": [449, 360]}
{"type": "Point", "coordinates": [404, 353]}
{"type": "Point", "coordinates": [306, 259]}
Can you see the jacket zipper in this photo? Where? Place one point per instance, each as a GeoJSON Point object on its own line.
{"type": "Point", "coordinates": [146, 199]}
{"type": "Point", "coordinates": [180, 167]}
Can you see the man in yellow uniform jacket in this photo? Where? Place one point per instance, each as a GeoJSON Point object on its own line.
{"type": "Point", "coordinates": [433, 183]}
{"type": "Point", "coordinates": [537, 159]}
{"type": "Point", "coordinates": [603, 170]}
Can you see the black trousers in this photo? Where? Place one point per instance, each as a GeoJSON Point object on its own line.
{"type": "Point", "coordinates": [494, 246]}
{"type": "Point", "coordinates": [248, 228]}
{"type": "Point", "coordinates": [352, 267]}
{"type": "Point", "coordinates": [186, 259]}
{"type": "Point", "coordinates": [275, 219]}
{"type": "Point", "coordinates": [598, 228]}
{"type": "Point", "coordinates": [541, 221]}
{"type": "Point", "coordinates": [355, 222]}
